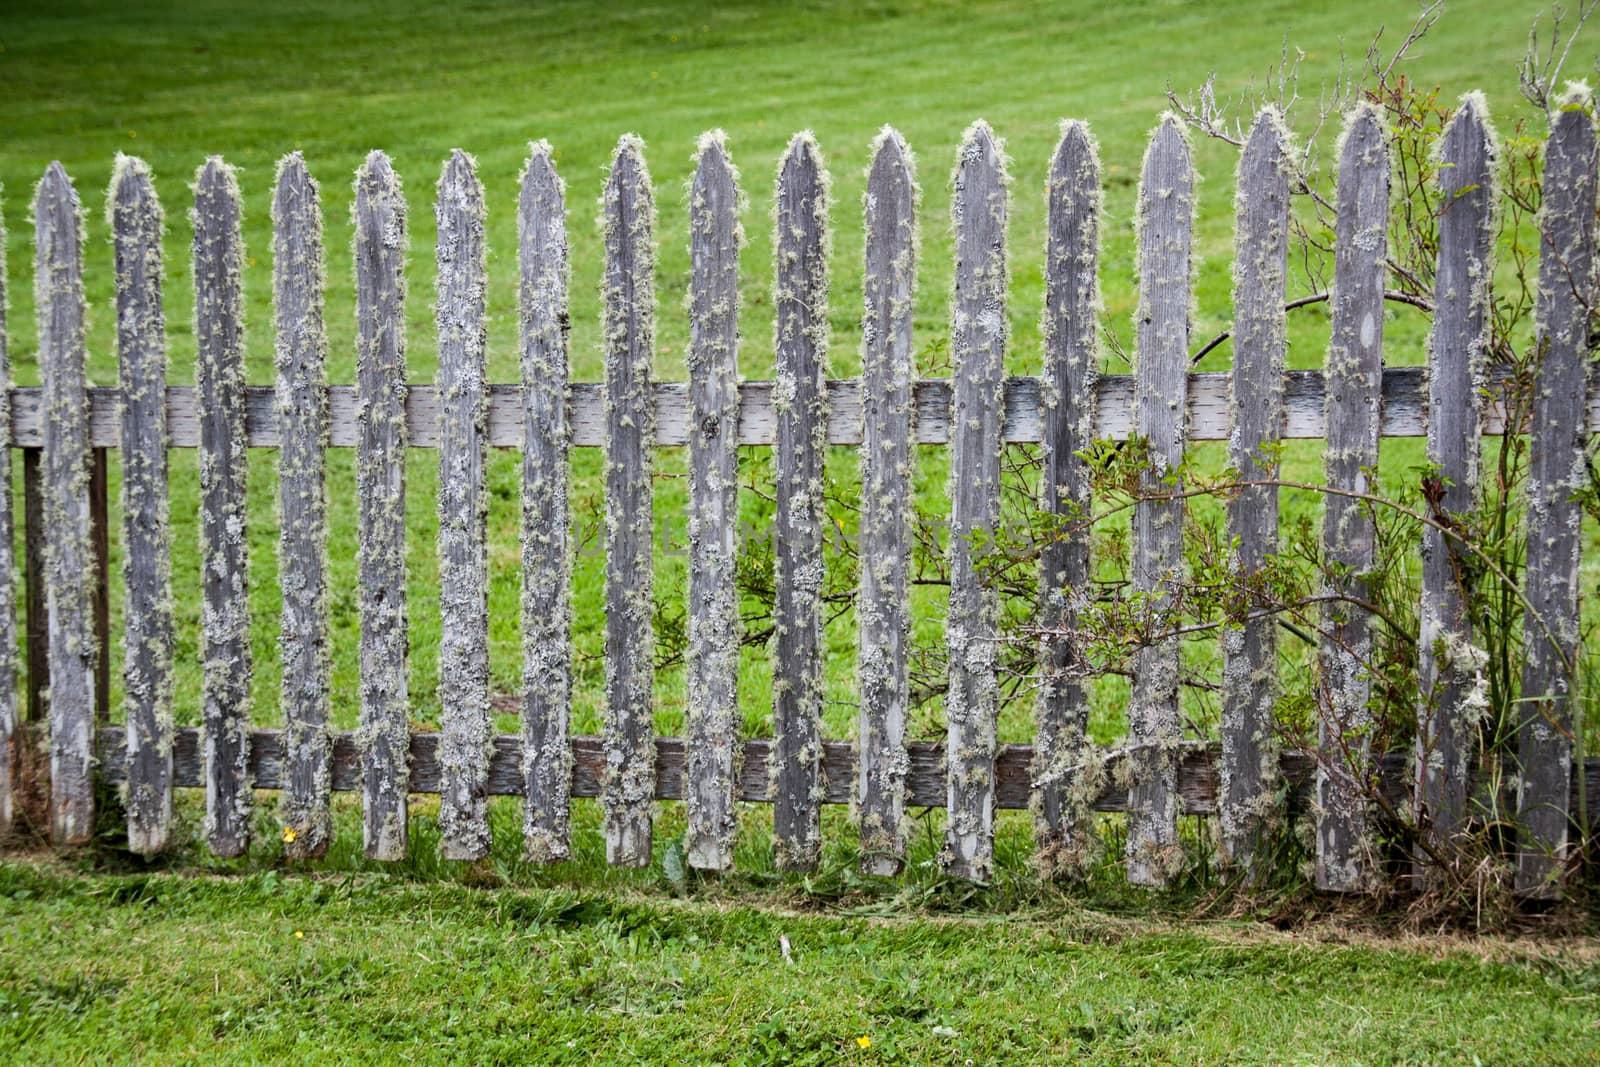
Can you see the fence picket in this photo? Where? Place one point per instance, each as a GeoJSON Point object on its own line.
{"type": "Point", "coordinates": [1165, 224]}
{"type": "Point", "coordinates": [8, 589]}
{"type": "Point", "coordinates": [546, 553]}
{"type": "Point", "coordinates": [887, 462]}
{"type": "Point", "coordinates": [463, 514]}
{"type": "Point", "coordinates": [1065, 779]}
{"type": "Point", "coordinates": [1558, 473]}
{"type": "Point", "coordinates": [224, 549]}
{"type": "Point", "coordinates": [69, 577]}
{"type": "Point", "coordinates": [1250, 648]}
{"type": "Point", "coordinates": [800, 301]}
{"type": "Point", "coordinates": [630, 444]}
{"type": "Point", "coordinates": [1346, 861]}
{"type": "Point", "coordinates": [978, 332]}
{"type": "Point", "coordinates": [380, 218]}
{"type": "Point", "coordinates": [713, 506]}
{"type": "Point", "coordinates": [135, 217]}
{"type": "Point", "coordinates": [1449, 661]}
{"type": "Point", "coordinates": [300, 356]}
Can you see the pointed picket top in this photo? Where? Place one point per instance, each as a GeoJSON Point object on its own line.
{"type": "Point", "coordinates": [546, 552]}
{"type": "Point", "coordinates": [1066, 779]}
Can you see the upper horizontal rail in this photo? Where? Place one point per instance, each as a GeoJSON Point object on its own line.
{"type": "Point", "coordinates": [1404, 393]}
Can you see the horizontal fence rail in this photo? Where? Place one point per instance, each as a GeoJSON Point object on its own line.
{"type": "Point", "coordinates": [1160, 774]}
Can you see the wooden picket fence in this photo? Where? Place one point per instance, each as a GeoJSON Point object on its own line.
{"type": "Point", "coordinates": [1063, 777]}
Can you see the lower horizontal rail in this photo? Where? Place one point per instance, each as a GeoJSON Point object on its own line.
{"type": "Point", "coordinates": [925, 784]}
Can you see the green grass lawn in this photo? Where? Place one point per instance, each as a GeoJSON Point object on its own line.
{"type": "Point", "coordinates": [590, 964]}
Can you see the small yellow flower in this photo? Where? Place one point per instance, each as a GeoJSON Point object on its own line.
{"type": "Point", "coordinates": [863, 1041]}
{"type": "Point", "coordinates": [299, 935]}
{"type": "Point", "coordinates": [288, 835]}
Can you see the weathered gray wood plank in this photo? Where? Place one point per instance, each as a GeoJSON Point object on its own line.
{"type": "Point", "coordinates": [463, 513]}
{"type": "Point", "coordinates": [1304, 397]}
{"type": "Point", "coordinates": [629, 322]}
{"type": "Point", "coordinates": [380, 219]}
{"type": "Point", "coordinates": [546, 549]}
{"type": "Point", "coordinates": [8, 589]}
{"type": "Point", "coordinates": [1064, 781]}
{"type": "Point", "coordinates": [300, 361]}
{"type": "Point", "coordinates": [713, 357]}
{"type": "Point", "coordinates": [1250, 648]}
{"type": "Point", "coordinates": [1450, 661]}
{"type": "Point", "coordinates": [1558, 472]}
{"type": "Point", "coordinates": [887, 462]}
{"type": "Point", "coordinates": [69, 578]}
{"type": "Point", "coordinates": [1347, 860]}
{"type": "Point", "coordinates": [135, 216]}
{"type": "Point", "coordinates": [978, 332]}
{"type": "Point", "coordinates": [925, 781]}
{"type": "Point", "coordinates": [1165, 224]}
{"type": "Point", "coordinates": [224, 548]}
{"type": "Point", "coordinates": [800, 302]}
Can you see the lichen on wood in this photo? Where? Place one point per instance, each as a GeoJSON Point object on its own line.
{"type": "Point", "coordinates": [1066, 775]}
{"type": "Point", "coordinates": [300, 362]}
{"type": "Point", "coordinates": [135, 216]}
{"type": "Point", "coordinates": [463, 513]}
{"type": "Point", "coordinates": [629, 327]}
{"type": "Point", "coordinates": [546, 551]}
{"type": "Point", "coordinates": [1452, 702]}
{"type": "Point", "coordinates": [1165, 224]}
{"type": "Point", "coordinates": [1247, 809]}
{"type": "Point", "coordinates": [380, 251]}
{"type": "Point", "coordinates": [800, 321]}
{"type": "Point", "coordinates": [1347, 857]}
{"type": "Point", "coordinates": [224, 547]}
{"type": "Point", "coordinates": [978, 333]}
{"type": "Point", "coordinates": [887, 464]}
{"type": "Point", "coordinates": [713, 358]}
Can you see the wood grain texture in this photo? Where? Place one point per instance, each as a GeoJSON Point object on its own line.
{"type": "Point", "coordinates": [300, 362]}
{"type": "Point", "coordinates": [1165, 219]}
{"type": "Point", "coordinates": [1558, 472]}
{"type": "Point", "coordinates": [380, 221]}
{"type": "Point", "coordinates": [224, 546]}
{"type": "Point", "coordinates": [463, 513]}
{"type": "Point", "coordinates": [1249, 644]}
{"type": "Point", "coordinates": [1064, 782]}
{"type": "Point", "coordinates": [800, 303]}
{"type": "Point", "coordinates": [629, 324]}
{"type": "Point", "coordinates": [1448, 712]}
{"type": "Point", "coordinates": [978, 332]}
{"type": "Point", "coordinates": [546, 550]}
{"type": "Point", "coordinates": [713, 358]}
{"type": "Point", "coordinates": [69, 569]}
{"type": "Point", "coordinates": [925, 781]}
{"type": "Point", "coordinates": [1347, 858]}
{"type": "Point", "coordinates": [135, 216]}
{"type": "Point", "coordinates": [887, 463]}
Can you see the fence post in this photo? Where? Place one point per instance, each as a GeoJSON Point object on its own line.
{"type": "Point", "coordinates": [714, 237]}
{"type": "Point", "coordinates": [135, 216]}
{"type": "Point", "coordinates": [10, 737]}
{"type": "Point", "coordinates": [58, 297]}
{"type": "Point", "coordinates": [463, 515]}
{"type": "Point", "coordinates": [1249, 643]}
{"type": "Point", "coordinates": [978, 331]}
{"type": "Point", "coordinates": [800, 300]}
{"type": "Point", "coordinates": [1346, 861]}
{"type": "Point", "coordinates": [1165, 223]}
{"type": "Point", "coordinates": [300, 353]}
{"type": "Point", "coordinates": [1066, 779]}
{"type": "Point", "coordinates": [629, 788]}
{"type": "Point", "coordinates": [546, 553]}
{"type": "Point", "coordinates": [1450, 662]}
{"type": "Point", "coordinates": [219, 380]}
{"type": "Point", "coordinates": [1558, 473]}
{"type": "Point", "coordinates": [887, 464]}
{"type": "Point", "coordinates": [381, 488]}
